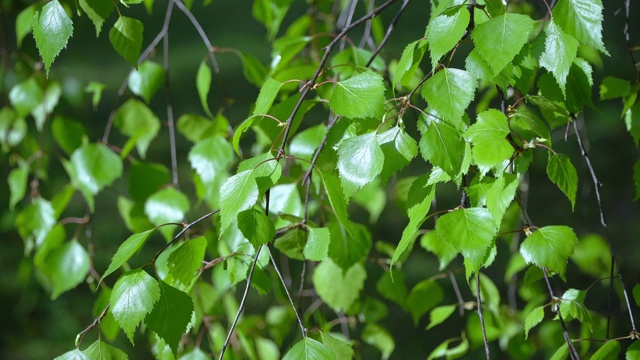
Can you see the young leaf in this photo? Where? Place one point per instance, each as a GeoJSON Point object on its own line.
{"type": "Point", "coordinates": [132, 298]}
{"type": "Point", "coordinates": [490, 148]}
{"type": "Point", "coordinates": [211, 157]}
{"type": "Point", "coordinates": [268, 93]}
{"type": "Point", "coordinates": [633, 351]}
{"type": "Point", "coordinates": [609, 350]}
{"type": "Point", "coordinates": [442, 144]}
{"type": "Point", "coordinates": [69, 134]}
{"type": "Point", "coordinates": [166, 206]}
{"type": "Point", "coordinates": [17, 180]}
{"type": "Point", "coordinates": [360, 96]}
{"type": "Point", "coordinates": [66, 267]}
{"type": "Point", "coordinates": [75, 354]}
{"type": "Point", "coordinates": [146, 80]}
{"type": "Point", "coordinates": [203, 84]}
{"type": "Point", "coordinates": [25, 96]}
{"type": "Point", "coordinates": [336, 287]}
{"type": "Point", "coordinates": [341, 349]}
{"type": "Point", "coordinates": [126, 38]}
{"type": "Point", "coordinates": [100, 350]}
{"type": "Point", "coordinates": [317, 246]}
{"type": "Point", "coordinates": [238, 193]}
{"type": "Point", "coordinates": [449, 92]}
{"type": "Point", "coordinates": [533, 318]}
{"type": "Point", "coordinates": [309, 349]}
{"type": "Point", "coordinates": [409, 62]}
{"type": "Point", "coordinates": [439, 314]}
{"type": "Point", "coordinates": [445, 31]}
{"type": "Point", "coordinates": [126, 251]}
{"type": "Point", "coordinates": [562, 173]}
{"type": "Point", "coordinates": [550, 247]}
{"type": "Point", "coordinates": [500, 195]}
{"type": "Point", "coordinates": [581, 19]}
{"type": "Point", "coordinates": [559, 53]}
{"type": "Point", "coordinates": [613, 87]}
{"type": "Point", "coordinates": [187, 259]}
{"type": "Point", "coordinates": [52, 29]}
{"type": "Point", "coordinates": [137, 121]}
{"type": "Point", "coordinates": [98, 11]}
{"type": "Point", "coordinates": [337, 200]}
{"type": "Point", "coordinates": [424, 296]}
{"type": "Point", "coordinates": [360, 161]}
{"type": "Point", "coordinates": [500, 39]}
{"type": "Point", "coordinates": [171, 315]}
{"type": "Point", "coordinates": [470, 231]}
{"type": "Point", "coordinates": [256, 227]}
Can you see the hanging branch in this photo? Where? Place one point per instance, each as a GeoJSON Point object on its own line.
{"type": "Point", "coordinates": [572, 350]}
{"type": "Point", "coordinates": [392, 26]}
{"type": "Point", "coordinates": [484, 330]}
{"type": "Point", "coordinates": [167, 88]}
{"type": "Point", "coordinates": [303, 330]}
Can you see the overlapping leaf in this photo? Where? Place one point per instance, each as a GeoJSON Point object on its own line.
{"type": "Point", "coordinates": [146, 80]}
{"type": "Point", "coordinates": [360, 161]}
{"type": "Point", "coordinates": [126, 251]}
{"type": "Point", "coordinates": [171, 315]}
{"type": "Point", "coordinates": [445, 31]}
{"type": "Point", "coordinates": [309, 349]}
{"type": "Point", "coordinates": [581, 19]}
{"type": "Point", "coordinates": [126, 38]}
{"type": "Point", "coordinates": [137, 121]}
{"type": "Point", "coordinates": [487, 135]}
{"type": "Point", "coordinates": [132, 298]}
{"type": "Point", "coordinates": [337, 287]}
{"type": "Point", "coordinates": [559, 52]}
{"type": "Point", "coordinates": [449, 92]}
{"type": "Point", "coordinates": [550, 247]}
{"type": "Point", "coordinates": [442, 144]}
{"type": "Point", "coordinates": [187, 259]}
{"type": "Point", "coordinates": [360, 96]}
{"type": "Point", "coordinates": [256, 227]}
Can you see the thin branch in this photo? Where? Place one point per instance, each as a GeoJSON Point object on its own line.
{"type": "Point", "coordinates": [241, 308]}
{"type": "Point", "coordinates": [614, 262]}
{"type": "Point", "coordinates": [392, 25]}
{"type": "Point", "coordinates": [484, 330]}
{"type": "Point", "coordinates": [96, 322]}
{"type": "Point", "coordinates": [186, 227]}
{"type": "Point", "coordinates": [167, 88]}
{"type": "Point", "coordinates": [303, 330]}
{"type": "Point", "coordinates": [572, 350]}
{"type": "Point", "coordinates": [636, 68]}
{"type": "Point", "coordinates": [456, 289]}
{"type": "Point", "coordinates": [202, 34]}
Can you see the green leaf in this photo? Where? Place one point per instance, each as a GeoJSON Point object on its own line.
{"type": "Point", "coordinates": [98, 11]}
{"type": "Point", "coordinates": [126, 38]}
{"type": "Point", "coordinates": [500, 39]}
{"type": "Point", "coordinates": [336, 287]}
{"type": "Point", "coordinates": [307, 141]}
{"type": "Point", "coordinates": [633, 351]}
{"type": "Point", "coordinates": [146, 80]}
{"type": "Point", "coordinates": [100, 350]}
{"type": "Point", "coordinates": [581, 19]}
{"type": "Point", "coordinates": [424, 296]}
{"type": "Point", "coordinates": [562, 353]}
{"type": "Point", "coordinates": [613, 87]}
{"type": "Point", "coordinates": [187, 259]}
{"type": "Point", "coordinates": [442, 249]}
{"type": "Point", "coordinates": [533, 318]}
{"type": "Point", "coordinates": [379, 337]}
{"type": "Point", "coordinates": [609, 350]}
{"type": "Point", "coordinates": [409, 62]}
{"type": "Point", "coordinates": [96, 89]}
{"type": "Point", "coordinates": [48, 103]}
{"type": "Point", "coordinates": [211, 157]}
{"type": "Point", "coordinates": [145, 179]}
{"type": "Point", "coordinates": [126, 250]}
{"type": "Point", "coordinates": [636, 294]}
{"type": "Point", "coordinates": [337, 200]}
{"type": "Point", "coordinates": [194, 127]}
{"type": "Point", "coordinates": [346, 249]}
{"type": "Point", "coordinates": [253, 70]}
{"type": "Point", "coordinates": [268, 93]}
{"type": "Point", "coordinates": [500, 195]}
{"type": "Point", "coordinates": [238, 193]}
{"type": "Point", "coordinates": [24, 23]}
{"type": "Point", "coordinates": [17, 180]}
{"type": "Point", "coordinates": [449, 92]}
{"type": "Point", "coordinates": [393, 287]}
{"type": "Point", "coordinates": [52, 29]}
{"type": "Point", "coordinates": [309, 349]}
{"type": "Point", "coordinates": [439, 314]}
{"type": "Point", "coordinates": [490, 148]}
{"type": "Point", "coordinates": [171, 315]}
{"type": "Point", "coordinates": [75, 354]}
{"type": "Point", "coordinates": [256, 227]}
{"type": "Point", "coordinates": [132, 298]}
{"type": "Point", "coordinates": [35, 222]}
{"type": "Point", "coordinates": [203, 84]}
{"type": "Point", "coordinates": [572, 307]}
{"type": "Point", "coordinates": [559, 53]}
{"type": "Point", "coordinates": [495, 7]}
{"type": "Point", "coordinates": [445, 31]}
{"type": "Point", "coordinates": [195, 354]}
{"type": "Point", "coordinates": [25, 96]}
{"type": "Point", "coordinates": [550, 247]}
{"type": "Point", "coordinates": [360, 96]}
{"type": "Point", "coordinates": [69, 134]}
{"type": "Point", "coordinates": [471, 231]}
{"type": "Point", "coordinates": [360, 161]}
{"type": "Point", "coordinates": [137, 121]}
{"type": "Point", "coordinates": [66, 267]}
{"type": "Point", "coordinates": [562, 173]}
{"type": "Point", "coordinates": [442, 144]}
{"type": "Point", "coordinates": [317, 246]}
{"type": "Point", "coordinates": [632, 121]}
{"type": "Point", "coordinates": [341, 349]}
{"type": "Point", "coordinates": [166, 206]}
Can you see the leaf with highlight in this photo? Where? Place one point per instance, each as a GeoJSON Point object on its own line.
{"type": "Point", "coordinates": [360, 96]}
{"type": "Point", "coordinates": [360, 161]}
{"type": "Point", "coordinates": [126, 250]}
{"type": "Point", "coordinates": [126, 38]}
{"type": "Point", "coordinates": [581, 19]}
{"type": "Point", "coordinates": [52, 29]}
{"type": "Point", "coordinates": [132, 298]}
{"type": "Point", "coordinates": [550, 247]}
{"type": "Point", "coordinates": [449, 92]}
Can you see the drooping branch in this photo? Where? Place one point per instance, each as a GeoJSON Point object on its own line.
{"type": "Point", "coordinates": [565, 332]}
{"type": "Point", "coordinates": [481, 316]}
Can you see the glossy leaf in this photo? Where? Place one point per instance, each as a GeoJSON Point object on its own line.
{"type": "Point", "coordinates": [203, 84]}
{"type": "Point", "coordinates": [256, 227]}
{"type": "Point", "coordinates": [442, 144]}
{"type": "Point", "coordinates": [633, 351]}
{"type": "Point", "coordinates": [409, 62]}
{"type": "Point", "coordinates": [268, 93]}
{"type": "Point", "coordinates": [490, 148]}
{"type": "Point", "coordinates": [66, 267]}
{"type": "Point", "coordinates": [187, 259]}
{"type": "Point", "coordinates": [52, 29]}
{"type": "Point", "coordinates": [470, 231]}
{"type": "Point", "coordinates": [166, 206]}
{"type": "Point", "coordinates": [132, 298]}
{"type": "Point", "coordinates": [309, 349]}
{"type": "Point", "coordinates": [500, 195]}
{"type": "Point", "coordinates": [237, 194]}
{"type": "Point", "coordinates": [360, 96]}
{"type": "Point", "coordinates": [317, 246]}
{"type": "Point", "coordinates": [211, 157]}
{"type": "Point", "coordinates": [146, 80]}
{"type": "Point", "coordinates": [581, 19]}
{"type": "Point", "coordinates": [75, 354]}
{"type": "Point", "coordinates": [35, 221]}
{"type": "Point", "coordinates": [500, 39]}
{"type": "Point", "coordinates": [100, 350]}
{"type": "Point", "coordinates": [449, 92]}
{"type": "Point", "coordinates": [126, 250]}
{"type": "Point", "coordinates": [445, 31]}
{"type": "Point", "coordinates": [98, 11]}
{"type": "Point", "coordinates": [171, 315]}
{"type": "Point", "coordinates": [562, 173]}
{"type": "Point", "coordinates": [533, 318]}
{"type": "Point", "coordinates": [337, 201]}
{"type": "Point", "coordinates": [126, 38]}
{"type": "Point", "coordinates": [550, 247]}
{"type": "Point", "coordinates": [336, 287]}
{"type": "Point", "coordinates": [572, 307]}
{"type": "Point", "coordinates": [360, 161]}
{"type": "Point", "coordinates": [559, 53]}
{"type": "Point", "coordinates": [136, 120]}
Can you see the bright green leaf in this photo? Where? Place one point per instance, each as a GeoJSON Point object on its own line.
{"type": "Point", "coordinates": [126, 38]}
{"type": "Point", "coordinates": [317, 246]}
{"type": "Point", "coordinates": [533, 318]}
{"type": "Point", "coordinates": [360, 96]}
{"type": "Point", "coordinates": [146, 80]}
{"type": "Point", "coordinates": [168, 205]}
{"type": "Point", "coordinates": [562, 173]}
{"type": "Point", "coordinates": [126, 251]}
{"type": "Point", "coordinates": [470, 231]}
{"type": "Point", "coordinates": [52, 29]}
{"type": "Point", "coordinates": [306, 142]}
{"type": "Point", "coordinates": [268, 93]}
{"type": "Point", "coordinates": [69, 134]}
{"type": "Point", "coordinates": [256, 227]}
{"type": "Point", "coordinates": [35, 222]}
{"type": "Point", "coordinates": [96, 89]}
{"type": "Point", "coordinates": [439, 314]}
{"type": "Point", "coordinates": [187, 259]}
{"type": "Point", "coordinates": [500, 195]}
{"type": "Point", "coordinates": [613, 87]}
{"type": "Point", "coordinates": [337, 200]}
{"type": "Point", "coordinates": [500, 39]}
{"type": "Point", "coordinates": [75, 354]}
{"type": "Point", "coordinates": [449, 92]}
{"type": "Point", "coordinates": [132, 298]}
{"type": "Point", "coordinates": [341, 349]}
{"type": "Point", "coordinates": [238, 193]}
{"type": "Point", "coordinates": [25, 96]}
{"type": "Point", "coordinates": [337, 287]}
{"type": "Point", "coordinates": [203, 84]}
{"type": "Point", "coordinates": [581, 19]}
{"type": "Point", "coordinates": [442, 249]}
{"type": "Point", "coordinates": [211, 157]}
{"type": "Point", "coordinates": [445, 31]}
{"type": "Point", "coordinates": [171, 315]}
{"type": "Point", "coordinates": [424, 296]}
{"type": "Point", "coordinates": [100, 350]}
{"type": "Point", "coordinates": [409, 62]}
{"type": "Point", "coordinates": [360, 161]}
{"type": "Point", "coordinates": [633, 351]}
{"type": "Point", "coordinates": [442, 144]}
{"type": "Point", "coordinates": [559, 53]}
{"type": "Point", "coordinates": [17, 180]}
{"type": "Point", "coordinates": [572, 307]}
{"type": "Point", "coordinates": [490, 148]}
{"type": "Point", "coordinates": [137, 121]}
{"type": "Point", "coordinates": [609, 350]}
{"type": "Point", "coordinates": [309, 349]}
{"type": "Point", "coordinates": [67, 267]}
{"type": "Point", "coordinates": [348, 248]}
{"type": "Point", "coordinates": [550, 247]}
{"type": "Point", "coordinates": [145, 179]}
